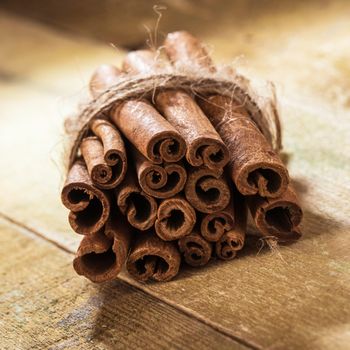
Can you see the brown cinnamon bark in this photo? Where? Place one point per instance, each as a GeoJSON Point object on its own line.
{"type": "Point", "coordinates": [214, 225]}
{"type": "Point", "coordinates": [139, 208]}
{"type": "Point", "coordinates": [104, 155]}
{"type": "Point", "coordinates": [254, 167]}
{"type": "Point", "coordinates": [279, 217]}
{"type": "Point", "coordinates": [145, 61]}
{"type": "Point", "coordinates": [149, 132]}
{"type": "Point", "coordinates": [233, 240]}
{"type": "Point", "coordinates": [141, 124]}
{"type": "Point", "coordinates": [160, 181]}
{"type": "Point", "coordinates": [104, 76]}
{"type": "Point", "coordinates": [101, 256]}
{"type": "Point", "coordinates": [89, 207]}
{"type": "Point", "coordinates": [186, 51]}
{"type": "Point", "coordinates": [196, 250]}
{"type": "Point", "coordinates": [152, 258]}
{"type": "Point", "coordinates": [207, 190]}
{"type": "Point", "coordinates": [175, 218]}
{"type": "Point", "coordinates": [204, 145]}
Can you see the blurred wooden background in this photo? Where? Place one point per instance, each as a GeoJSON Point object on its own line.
{"type": "Point", "coordinates": [295, 298]}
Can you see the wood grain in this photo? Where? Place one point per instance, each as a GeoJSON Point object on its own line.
{"type": "Point", "coordinates": [44, 305]}
{"type": "Point", "coordinates": [295, 297]}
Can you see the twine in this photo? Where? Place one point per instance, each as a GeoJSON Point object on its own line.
{"type": "Point", "coordinates": [262, 111]}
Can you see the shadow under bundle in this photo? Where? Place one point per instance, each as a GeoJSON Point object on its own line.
{"type": "Point", "coordinates": [170, 175]}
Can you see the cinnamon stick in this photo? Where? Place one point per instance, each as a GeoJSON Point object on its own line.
{"type": "Point", "coordinates": [204, 146]}
{"type": "Point", "coordinates": [160, 181]}
{"type": "Point", "coordinates": [186, 52]}
{"type": "Point", "coordinates": [214, 225]}
{"type": "Point", "coordinates": [195, 249]}
{"type": "Point", "coordinates": [254, 167]}
{"type": "Point", "coordinates": [101, 256]}
{"type": "Point", "coordinates": [89, 207]}
{"type": "Point", "coordinates": [152, 258]}
{"type": "Point", "coordinates": [207, 190]}
{"type": "Point", "coordinates": [103, 77]}
{"type": "Point", "coordinates": [175, 218]}
{"type": "Point", "coordinates": [279, 217]}
{"type": "Point", "coordinates": [139, 208]}
{"type": "Point", "coordinates": [233, 240]}
{"type": "Point", "coordinates": [104, 155]}
{"type": "Point", "coordinates": [142, 125]}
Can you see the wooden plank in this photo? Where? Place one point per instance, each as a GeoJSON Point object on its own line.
{"type": "Point", "coordinates": [44, 305]}
{"type": "Point", "coordinates": [294, 298]}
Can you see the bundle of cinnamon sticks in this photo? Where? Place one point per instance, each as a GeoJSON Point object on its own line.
{"type": "Point", "coordinates": [170, 177]}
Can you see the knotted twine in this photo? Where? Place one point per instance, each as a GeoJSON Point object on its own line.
{"type": "Point", "coordinates": [262, 109]}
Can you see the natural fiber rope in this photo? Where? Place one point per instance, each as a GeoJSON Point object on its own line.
{"type": "Point", "coordinates": [145, 86]}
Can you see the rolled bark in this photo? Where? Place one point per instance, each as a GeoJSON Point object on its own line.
{"type": "Point", "coordinates": [175, 218]}
{"type": "Point", "coordinates": [104, 76]}
{"type": "Point", "coordinates": [279, 217]}
{"type": "Point", "coordinates": [141, 123]}
{"type": "Point", "coordinates": [104, 155]}
{"type": "Point", "coordinates": [254, 167]}
{"type": "Point", "coordinates": [160, 181]}
{"type": "Point", "coordinates": [152, 258]}
{"type": "Point", "coordinates": [101, 256]}
{"type": "Point", "coordinates": [207, 190]}
{"type": "Point", "coordinates": [232, 241]}
{"type": "Point", "coordinates": [195, 249]}
{"type": "Point", "coordinates": [139, 208]}
{"type": "Point", "coordinates": [89, 207]}
{"type": "Point", "coordinates": [187, 52]}
{"type": "Point", "coordinates": [204, 145]}
{"type": "Point", "coordinates": [214, 225]}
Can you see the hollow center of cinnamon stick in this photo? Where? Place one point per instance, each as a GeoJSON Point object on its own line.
{"type": "Point", "coordinates": [212, 224]}
{"type": "Point", "coordinates": [279, 218]}
{"type": "Point", "coordinates": [175, 220]}
{"type": "Point", "coordinates": [217, 157]}
{"type": "Point", "coordinates": [98, 263]}
{"type": "Point", "coordinates": [211, 195]}
{"type": "Point", "coordinates": [156, 177]}
{"type": "Point", "coordinates": [265, 179]}
{"type": "Point", "coordinates": [153, 262]}
{"type": "Point", "coordinates": [141, 205]}
{"type": "Point", "coordinates": [77, 195]}
{"type": "Point", "coordinates": [91, 214]}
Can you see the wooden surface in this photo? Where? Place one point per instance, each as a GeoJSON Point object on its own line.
{"type": "Point", "coordinates": [296, 297]}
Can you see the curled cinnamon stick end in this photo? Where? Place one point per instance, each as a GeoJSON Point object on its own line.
{"type": "Point", "coordinates": [255, 168]}
{"type": "Point", "coordinates": [89, 206]}
{"type": "Point", "coordinates": [207, 190]}
{"type": "Point", "coordinates": [186, 51]}
{"type": "Point", "coordinates": [233, 240]}
{"type": "Point", "coordinates": [101, 256]}
{"type": "Point", "coordinates": [196, 250]}
{"type": "Point", "coordinates": [278, 217]}
{"type": "Point", "coordinates": [204, 145]}
{"type": "Point", "coordinates": [106, 166]}
{"type": "Point", "coordinates": [152, 258]}
{"type": "Point", "coordinates": [149, 132]}
{"type": "Point", "coordinates": [113, 150]}
{"type": "Point", "coordinates": [139, 208]}
{"type": "Point", "coordinates": [214, 225]}
{"type": "Point", "coordinates": [175, 218]}
{"type": "Point", "coordinates": [160, 181]}
{"type": "Point", "coordinates": [104, 76]}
